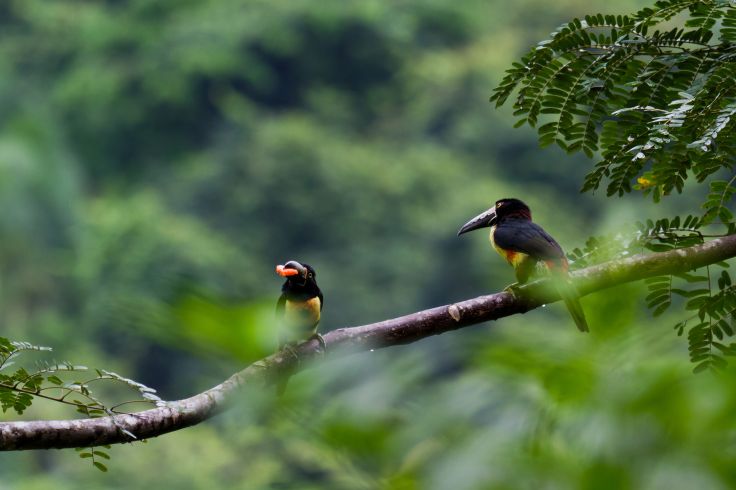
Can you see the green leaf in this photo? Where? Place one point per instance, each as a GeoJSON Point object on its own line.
{"type": "Point", "coordinates": [701, 367]}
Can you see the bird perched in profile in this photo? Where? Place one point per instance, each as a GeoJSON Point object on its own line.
{"type": "Point", "coordinates": [299, 308]}
{"type": "Point", "coordinates": [524, 244]}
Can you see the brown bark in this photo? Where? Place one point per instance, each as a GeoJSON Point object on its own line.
{"type": "Point", "coordinates": [40, 434]}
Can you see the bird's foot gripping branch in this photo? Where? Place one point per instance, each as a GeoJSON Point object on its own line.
{"type": "Point", "coordinates": [168, 417]}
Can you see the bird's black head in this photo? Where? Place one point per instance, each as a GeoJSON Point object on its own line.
{"type": "Point", "coordinates": [512, 208]}
{"type": "Point", "coordinates": [503, 209]}
{"type": "Point", "coordinates": [298, 276]}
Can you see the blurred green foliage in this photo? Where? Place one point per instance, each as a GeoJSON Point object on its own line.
{"type": "Point", "coordinates": [158, 158]}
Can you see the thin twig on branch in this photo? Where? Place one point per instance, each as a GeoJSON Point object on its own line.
{"type": "Point", "coordinates": [41, 434]}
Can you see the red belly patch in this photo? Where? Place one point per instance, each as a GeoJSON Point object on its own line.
{"type": "Point", "coordinates": [510, 256]}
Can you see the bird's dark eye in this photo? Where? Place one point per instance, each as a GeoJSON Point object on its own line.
{"type": "Point", "coordinates": [310, 274]}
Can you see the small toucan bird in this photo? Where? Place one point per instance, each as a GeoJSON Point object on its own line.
{"type": "Point", "coordinates": [524, 244]}
{"type": "Point", "coordinates": [299, 307]}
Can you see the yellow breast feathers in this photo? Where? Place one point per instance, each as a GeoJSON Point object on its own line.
{"type": "Point", "coordinates": [512, 257]}
{"type": "Point", "coordinates": [303, 314]}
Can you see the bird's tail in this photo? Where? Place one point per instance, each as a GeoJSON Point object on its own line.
{"type": "Point", "coordinates": [575, 309]}
{"type": "Point", "coordinates": [284, 376]}
{"type": "Point", "coordinates": [569, 294]}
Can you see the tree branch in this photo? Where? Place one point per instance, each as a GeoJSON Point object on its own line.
{"type": "Point", "coordinates": [176, 415]}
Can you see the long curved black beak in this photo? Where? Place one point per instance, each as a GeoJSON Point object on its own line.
{"type": "Point", "coordinates": [483, 220]}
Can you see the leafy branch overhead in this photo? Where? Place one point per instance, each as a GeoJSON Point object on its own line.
{"type": "Point", "coordinates": [657, 100]}
{"type": "Point", "coordinates": [654, 95]}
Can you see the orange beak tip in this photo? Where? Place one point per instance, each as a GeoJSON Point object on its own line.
{"type": "Point", "coordinates": [280, 270]}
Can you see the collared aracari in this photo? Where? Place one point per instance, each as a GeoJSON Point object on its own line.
{"type": "Point", "coordinates": [524, 244]}
{"type": "Point", "coordinates": [298, 309]}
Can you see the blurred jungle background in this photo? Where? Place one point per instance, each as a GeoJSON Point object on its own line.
{"type": "Point", "coordinates": [158, 158]}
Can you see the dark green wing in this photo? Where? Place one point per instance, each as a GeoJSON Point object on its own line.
{"type": "Point", "coordinates": [527, 237]}
{"type": "Point", "coordinates": [321, 300]}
